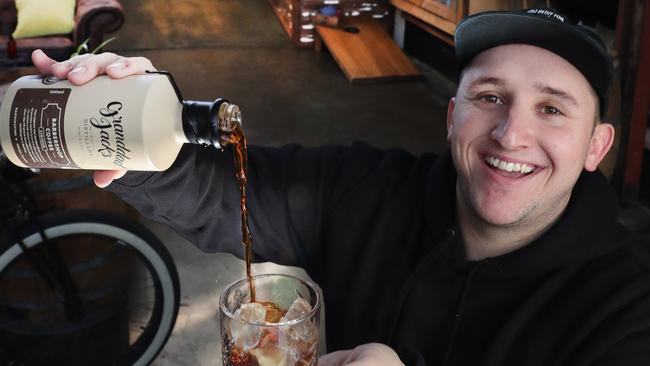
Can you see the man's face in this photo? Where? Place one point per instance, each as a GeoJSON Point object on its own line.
{"type": "Point", "coordinates": [521, 129]}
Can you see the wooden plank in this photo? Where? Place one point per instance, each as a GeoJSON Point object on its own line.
{"type": "Point", "coordinates": [429, 29]}
{"type": "Point", "coordinates": [292, 27]}
{"type": "Point", "coordinates": [440, 9]}
{"type": "Point", "coordinates": [370, 55]}
{"type": "Point", "coordinates": [640, 108]}
{"type": "Point", "coordinates": [285, 24]}
{"type": "Point", "coordinates": [624, 25]}
{"type": "Point", "coordinates": [10, 75]}
{"type": "Point", "coordinates": [437, 21]}
{"type": "Point", "coordinates": [463, 10]}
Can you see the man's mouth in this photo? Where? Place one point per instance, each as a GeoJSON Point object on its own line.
{"type": "Point", "coordinates": [509, 168]}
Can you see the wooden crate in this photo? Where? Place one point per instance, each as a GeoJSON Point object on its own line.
{"type": "Point", "coordinates": [296, 15]}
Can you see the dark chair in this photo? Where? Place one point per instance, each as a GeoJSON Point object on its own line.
{"type": "Point", "coordinates": [93, 20]}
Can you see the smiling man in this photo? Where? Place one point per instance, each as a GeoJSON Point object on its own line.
{"type": "Point", "coordinates": [524, 124]}
{"type": "Point", "coordinates": [506, 251]}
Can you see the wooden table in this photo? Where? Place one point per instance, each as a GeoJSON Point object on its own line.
{"type": "Point", "coordinates": [10, 75]}
{"type": "Point", "coordinates": [367, 56]}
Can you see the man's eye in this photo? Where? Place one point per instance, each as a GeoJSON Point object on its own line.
{"type": "Point", "coordinates": [550, 110]}
{"type": "Point", "coordinates": [493, 99]}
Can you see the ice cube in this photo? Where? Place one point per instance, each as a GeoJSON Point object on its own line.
{"type": "Point", "coordinates": [299, 308]}
{"type": "Point", "coordinates": [253, 312]}
{"type": "Point", "coordinates": [305, 331]}
{"type": "Point", "coordinates": [245, 335]}
{"type": "Point", "coordinates": [274, 312]}
{"type": "Point", "coordinates": [270, 356]}
{"type": "Point", "coordinates": [301, 352]}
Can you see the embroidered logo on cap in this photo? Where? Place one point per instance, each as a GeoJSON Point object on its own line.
{"type": "Point", "coordinates": [547, 13]}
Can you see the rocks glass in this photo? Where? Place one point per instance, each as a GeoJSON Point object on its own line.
{"type": "Point", "coordinates": [280, 328]}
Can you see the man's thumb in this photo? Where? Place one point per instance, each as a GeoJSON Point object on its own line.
{"type": "Point", "coordinates": [337, 358]}
{"type": "Point", "coordinates": [103, 178]}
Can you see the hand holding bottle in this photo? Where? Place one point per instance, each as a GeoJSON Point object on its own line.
{"type": "Point", "coordinates": [83, 68]}
{"type": "Point", "coordinates": [109, 114]}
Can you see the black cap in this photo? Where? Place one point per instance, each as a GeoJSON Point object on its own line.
{"type": "Point", "coordinates": [544, 28]}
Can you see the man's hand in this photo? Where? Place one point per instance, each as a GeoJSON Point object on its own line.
{"type": "Point", "coordinates": [371, 354]}
{"type": "Point", "coordinates": [81, 69]}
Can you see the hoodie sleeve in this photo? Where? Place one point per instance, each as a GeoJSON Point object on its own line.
{"type": "Point", "coordinates": [631, 351]}
{"type": "Point", "coordinates": [292, 193]}
{"type": "Point", "coordinates": [288, 189]}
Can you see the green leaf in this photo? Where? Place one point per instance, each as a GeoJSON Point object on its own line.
{"type": "Point", "coordinates": [83, 47]}
{"type": "Point", "coordinates": [104, 44]}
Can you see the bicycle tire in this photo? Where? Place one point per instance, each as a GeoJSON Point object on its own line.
{"type": "Point", "coordinates": [125, 232]}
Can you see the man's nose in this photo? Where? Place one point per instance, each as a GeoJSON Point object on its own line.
{"type": "Point", "coordinates": [514, 130]}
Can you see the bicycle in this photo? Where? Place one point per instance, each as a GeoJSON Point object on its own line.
{"type": "Point", "coordinates": [80, 287]}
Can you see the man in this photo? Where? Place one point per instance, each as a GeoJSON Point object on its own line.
{"type": "Point", "coordinates": [504, 252]}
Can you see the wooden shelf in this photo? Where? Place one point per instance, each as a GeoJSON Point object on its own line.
{"type": "Point", "coordinates": [436, 20]}
{"type": "Point", "coordinates": [445, 37]}
{"type": "Point", "coordinates": [282, 19]}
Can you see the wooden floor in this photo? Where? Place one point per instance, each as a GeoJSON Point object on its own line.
{"type": "Point", "coordinates": [367, 55]}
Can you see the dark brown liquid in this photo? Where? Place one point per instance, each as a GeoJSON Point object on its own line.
{"type": "Point", "coordinates": [235, 356]}
{"type": "Point", "coordinates": [232, 134]}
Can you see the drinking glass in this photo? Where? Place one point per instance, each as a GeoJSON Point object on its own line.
{"type": "Point", "coordinates": [280, 328]}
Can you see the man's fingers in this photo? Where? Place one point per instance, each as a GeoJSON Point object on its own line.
{"type": "Point", "coordinates": [49, 66]}
{"type": "Point", "coordinates": [83, 68]}
{"type": "Point", "coordinates": [337, 358]}
{"type": "Point", "coordinates": [104, 177]}
{"type": "Point", "coordinates": [91, 66]}
{"type": "Point", "coordinates": [370, 354]}
{"type": "Point", "coordinates": [61, 69]}
{"type": "Point", "coordinates": [42, 62]}
{"type": "Point", "coordinates": [129, 66]}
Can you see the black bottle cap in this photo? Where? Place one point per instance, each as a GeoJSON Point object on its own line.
{"type": "Point", "coordinates": [201, 120]}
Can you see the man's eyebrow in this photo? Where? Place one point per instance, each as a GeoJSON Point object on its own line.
{"type": "Point", "coordinates": [485, 80]}
{"type": "Point", "coordinates": [565, 96]}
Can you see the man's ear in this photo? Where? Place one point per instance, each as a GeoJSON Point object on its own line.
{"type": "Point", "coordinates": [601, 142]}
{"type": "Point", "coordinates": [450, 116]}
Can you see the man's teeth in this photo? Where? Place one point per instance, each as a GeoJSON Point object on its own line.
{"type": "Point", "coordinates": [509, 167]}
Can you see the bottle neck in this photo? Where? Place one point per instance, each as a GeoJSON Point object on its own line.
{"type": "Point", "coordinates": [204, 122]}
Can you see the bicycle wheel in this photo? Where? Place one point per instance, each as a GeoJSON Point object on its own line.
{"type": "Point", "coordinates": [124, 277]}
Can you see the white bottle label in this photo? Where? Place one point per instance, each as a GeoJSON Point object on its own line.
{"type": "Point", "coordinates": [134, 123]}
{"type": "Point", "coordinates": [111, 134]}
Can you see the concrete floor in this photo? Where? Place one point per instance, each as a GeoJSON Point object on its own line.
{"type": "Point", "coordinates": [287, 95]}
{"type": "Point", "coordinates": [293, 95]}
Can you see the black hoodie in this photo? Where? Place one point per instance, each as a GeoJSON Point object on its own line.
{"type": "Point", "coordinates": [377, 231]}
